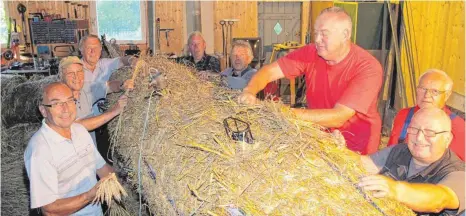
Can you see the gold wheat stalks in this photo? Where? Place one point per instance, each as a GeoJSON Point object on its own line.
{"type": "Point", "coordinates": [109, 189]}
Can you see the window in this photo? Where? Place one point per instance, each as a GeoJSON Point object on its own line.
{"type": "Point", "coordinates": [122, 20]}
{"type": "Point", "coordinates": [3, 25]}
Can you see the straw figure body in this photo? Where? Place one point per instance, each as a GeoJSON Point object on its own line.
{"type": "Point", "coordinates": [185, 161]}
{"type": "Point", "coordinates": [109, 189]}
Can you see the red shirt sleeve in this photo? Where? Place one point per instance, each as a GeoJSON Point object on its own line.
{"type": "Point", "coordinates": [364, 87]}
{"type": "Point", "coordinates": [398, 126]}
{"type": "Point", "coordinates": [295, 63]}
{"type": "Point", "coordinates": [457, 144]}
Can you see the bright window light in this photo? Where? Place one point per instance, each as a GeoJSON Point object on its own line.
{"type": "Point", "coordinates": [120, 20]}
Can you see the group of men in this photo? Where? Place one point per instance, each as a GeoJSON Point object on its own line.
{"type": "Point", "coordinates": [422, 166]}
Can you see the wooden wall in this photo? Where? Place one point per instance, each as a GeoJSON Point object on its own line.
{"type": "Point", "coordinates": [245, 11]}
{"type": "Point", "coordinates": [436, 36]}
{"type": "Point", "coordinates": [172, 14]}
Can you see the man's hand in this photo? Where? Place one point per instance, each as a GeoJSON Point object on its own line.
{"type": "Point", "coordinates": [90, 195]}
{"type": "Point", "coordinates": [339, 138]}
{"type": "Point", "coordinates": [205, 75]}
{"type": "Point", "coordinates": [128, 85]}
{"type": "Point", "coordinates": [247, 98]}
{"type": "Point", "coordinates": [121, 103]}
{"type": "Point", "coordinates": [381, 185]}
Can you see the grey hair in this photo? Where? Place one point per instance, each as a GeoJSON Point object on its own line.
{"type": "Point", "coordinates": [195, 33]}
{"type": "Point", "coordinates": [243, 44]}
{"type": "Point", "coordinates": [83, 40]}
{"type": "Point", "coordinates": [447, 79]}
{"type": "Point", "coordinates": [343, 15]}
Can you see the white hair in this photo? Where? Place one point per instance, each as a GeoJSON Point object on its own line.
{"type": "Point", "coordinates": [447, 80]}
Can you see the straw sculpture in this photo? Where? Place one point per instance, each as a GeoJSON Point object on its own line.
{"type": "Point", "coordinates": [20, 103]}
{"type": "Point", "coordinates": [183, 161]}
{"type": "Point", "coordinates": [15, 183]}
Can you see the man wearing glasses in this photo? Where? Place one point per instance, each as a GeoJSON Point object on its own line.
{"type": "Point", "coordinates": [61, 159]}
{"type": "Point", "coordinates": [71, 73]}
{"type": "Point", "coordinates": [425, 174]}
{"type": "Point", "coordinates": [434, 89]}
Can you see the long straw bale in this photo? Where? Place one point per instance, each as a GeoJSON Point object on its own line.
{"type": "Point", "coordinates": [20, 104]}
{"type": "Point", "coordinates": [8, 82]}
{"type": "Point", "coordinates": [294, 167]}
{"type": "Point", "coordinates": [15, 183]}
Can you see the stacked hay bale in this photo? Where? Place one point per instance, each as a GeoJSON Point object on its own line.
{"type": "Point", "coordinates": [188, 163]}
{"type": "Point", "coordinates": [15, 183]}
{"type": "Point", "coordinates": [19, 103]}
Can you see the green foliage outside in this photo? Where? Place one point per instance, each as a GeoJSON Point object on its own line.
{"type": "Point", "coordinates": [119, 19]}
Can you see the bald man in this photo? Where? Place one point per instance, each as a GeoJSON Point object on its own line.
{"type": "Point", "coordinates": [425, 174]}
{"type": "Point", "coordinates": [434, 89]}
{"type": "Point", "coordinates": [61, 159]}
{"type": "Point", "coordinates": [342, 82]}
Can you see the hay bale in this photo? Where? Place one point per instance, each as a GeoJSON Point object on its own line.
{"type": "Point", "coordinates": [20, 104]}
{"type": "Point", "coordinates": [15, 183]}
{"type": "Point", "coordinates": [293, 168]}
{"type": "Point", "coordinates": [8, 82]}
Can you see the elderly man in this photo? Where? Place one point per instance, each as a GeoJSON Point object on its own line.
{"type": "Point", "coordinates": [239, 75]}
{"type": "Point", "coordinates": [61, 159]}
{"type": "Point", "coordinates": [198, 58]}
{"type": "Point", "coordinates": [433, 90]}
{"type": "Point", "coordinates": [342, 82]}
{"type": "Point", "coordinates": [425, 174]}
{"type": "Point", "coordinates": [71, 73]}
{"type": "Point", "coordinates": [97, 71]}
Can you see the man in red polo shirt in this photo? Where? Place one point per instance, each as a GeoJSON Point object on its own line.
{"type": "Point", "coordinates": [433, 90]}
{"type": "Point", "coordinates": [342, 79]}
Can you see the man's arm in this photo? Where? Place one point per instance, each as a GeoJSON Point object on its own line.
{"type": "Point", "coordinates": [332, 118]}
{"type": "Point", "coordinates": [420, 197]}
{"type": "Point", "coordinates": [69, 205]}
{"type": "Point", "coordinates": [97, 121]}
{"type": "Point", "coordinates": [258, 82]}
{"type": "Point", "coordinates": [105, 170]}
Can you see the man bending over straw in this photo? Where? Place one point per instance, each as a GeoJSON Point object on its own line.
{"type": "Point", "coordinates": [61, 159]}
{"type": "Point", "coordinates": [425, 174]}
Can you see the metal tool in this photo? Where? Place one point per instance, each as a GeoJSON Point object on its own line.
{"type": "Point", "coordinates": [67, 8]}
{"type": "Point", "coordinates": [74, 9]}
{"type": "Point", "coordinates": [238, 130]}
{"type": "Point", "coordinates": [22, 9]}
{"type": "Point", "coordinates": [227, 34]}
{"type": "Point", "coordinates": [166, 34]}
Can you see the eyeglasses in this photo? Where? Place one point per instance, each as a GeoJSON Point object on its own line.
{"type": "Point", "coordinates": [61, 104]}
{"type": "Point", "coordinates": [433, 92]}
{"type": "Point", "coordinates": [427, 133]}
{"type": "Point", "coordinates": [75, 74]}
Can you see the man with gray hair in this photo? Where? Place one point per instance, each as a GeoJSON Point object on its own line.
{"type": "Point", "coordinates": [197, 57]}
{"type": "Point", "coordinates": [239, 74]}
{"type": "Point", "coordinates": [97, 71]}
{"type": "Point", "coordinates": [342, 82]}
{"type": "Point", "coordinates": [71, 74]}
{"type": "Point", "coordinates": [433, 90]}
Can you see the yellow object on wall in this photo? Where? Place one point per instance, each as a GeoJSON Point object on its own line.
{"type": "Point", "coordinates": [435, 34]}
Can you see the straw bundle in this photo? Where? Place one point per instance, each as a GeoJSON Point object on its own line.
{"type": "Point", "coordinates": [109, 188]}
{"type": "Point", "coordinates": [20, 104]}
{"type": "Point", "coordinates": [15, 183]}
{"type": "Point", "coordinates": [190, 165]}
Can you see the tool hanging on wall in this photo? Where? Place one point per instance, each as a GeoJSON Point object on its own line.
{"type": "Point", "coordinates": [22, 10]}
{"type": "Point", "coordinates": [67, 8]}
{"type": "Point", "coordinates": [157, 34]}
{"type": "Point", "coordinates": [74, 9]}
{"type": "Point", "coordinates": [227, 36]}
{"type": "Point", "coordinates": [166, 34]}
{"type": "Point", "coordinates": [79, 10]}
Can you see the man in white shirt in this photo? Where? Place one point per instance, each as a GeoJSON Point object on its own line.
{"type": "Point", "coordinates": [61, 159]}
